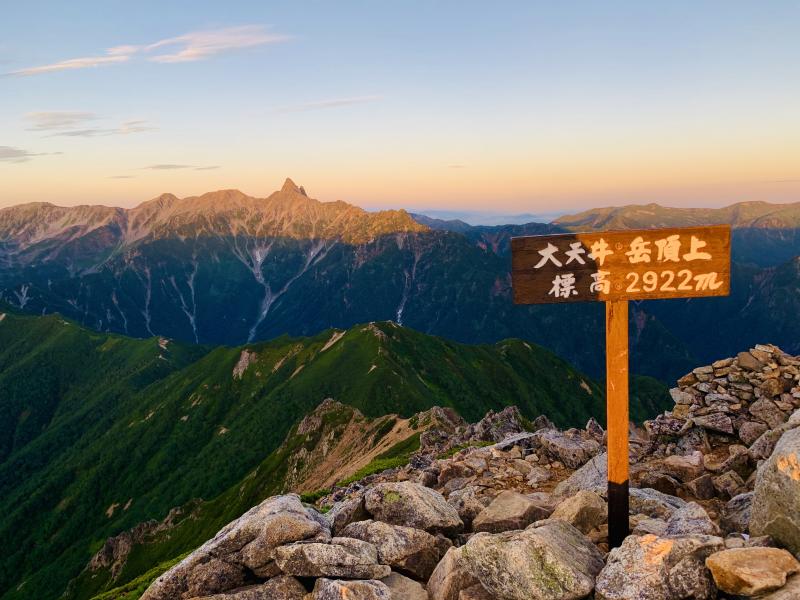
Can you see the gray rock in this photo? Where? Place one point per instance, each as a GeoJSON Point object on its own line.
{"type": "Point", "coordinates": [403, 588]}
{"type": "Point", "coordinates": [509, 510]}
{"type": "Point", "coordinates": [331, 589]}
{"type": "Point", "coordinates": [245, 545]}
{"type": "Point", "coordinates": [476, 592]}
{"type": "Point", "coordinates": [411, 551]}
{"type": "Point", "coordinates": [468, 503]}
{"type": "Point", "coordinates": [750, 431]}
{"type": "Point", "coordinates": [777, 494]}
{"type": "Point", "coordinates": [570, 449]}
{"type": "Point", "coordinates": [729, 484]}
{"type": "Point", "coordinates": [412, 505]}
{"type": "Point", "coordinates": [343, 557]}
{"type": "Point", "coordinates": [653, 503]}
{"type": "Point", "coordinates": [650, 567]}
{"type": "Point", "coordinates": [282, 587]}
{"type": "Point", "coordinates": [592, 475]}
{"type": "Point", "coordinates": [343, 513]}
{"type": "Point", "coordinates": [791, 591]}
{"type": "Point", "coordinates": [550, 561]}
{"type": "Point", "coordinates": [766, 411]}
{"type": "Point", "coordinates": [715, 422]}
{"type": "Point", "coordinates": [735, 516]}
{"type": "Point", "coordinates": [450, 576]}
{"type": "Point", "coordinates": [691, 519]}
{"type": "Point", "coordinates": [702, 488]}
{"type": "Point", "coordinates": [584, 511]}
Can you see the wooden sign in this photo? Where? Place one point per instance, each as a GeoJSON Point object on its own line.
{"type": "Point", "coordinates": [622, 265]}
{"type": "Point", "coordinates": [614, 267]}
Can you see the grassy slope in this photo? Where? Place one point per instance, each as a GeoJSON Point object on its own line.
{"type": "Point", "coordinates": [92, 420]}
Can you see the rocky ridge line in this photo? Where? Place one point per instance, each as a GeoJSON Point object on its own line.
{"type": "Point", "coordinates": [511, 510]}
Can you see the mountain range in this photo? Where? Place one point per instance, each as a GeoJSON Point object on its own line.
{"type": "Point", "coordinates": [100, 432]}
{"type": "Point", "coordinates": [227, 268]}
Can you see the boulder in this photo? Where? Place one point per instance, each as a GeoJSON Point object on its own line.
{"type": "Point", "coordinates": [736, 514]}
{"type": "Point", "coordinates": [791, 591]}
{"type": "Point", "coordinates": [406, 549]}
{"type": "Point", "coordinates": [468, 503]}
{"type": "Point", "coordinates": [412, 505]}
{"type": "Point", "coordinates": [509, 510]}
{"type": "Point", "coordinates": [450, 576]}
{"type": "Point", "coordinates": [690, 519]}
{"type": "Point", "coordinates": [651, 567]}
{"type": "Point", "coordinates": [549, 561]}
{"type": "Point", "coordinates": [342, 557]}
{"type": "Point", "coordinates": [654, 503]}
{"type": "Point", "coordinates": [282, 587]}
{"type": "Point", "coordinates": [571, 450]}
{"type": "Point", "coordinates": [751, 571]}
{"type": "Point", "coordinates": [777, 494]}
{"type": "Point", "coordinates": [585, 511]}
{"type": "Point", "coordinates": [331, 589]}
{"type": "Point", "coordinates": [592, 475]}
{"type": "Point", "coordinates": [403, 588]}
{"type": "Point", "coordinates": [246, 545]}
{"type": "Point", "coordinates": [343, 513]}
{"type": "Point", "coordinates": [476, 592]}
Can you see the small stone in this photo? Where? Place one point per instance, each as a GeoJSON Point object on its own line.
{"type": "Point", "coordinates": [750, 431]}
{"type": "Point", "coordinates": [751, 571]}
{"type": "Point", "coordinates": [715, 422]}
{"type": "Point", "coordinates": [585, 511]}
{"type": "Point", "coordinates": [736, 513]}
{"type": "Point", "coordinates": [729, 484]}
{"type": "Point", "coordinates": [749, 362]}
{"type": "Point", "coordinates": [702, 488]}
{"type": "Point", "coordinates": [691, 519]}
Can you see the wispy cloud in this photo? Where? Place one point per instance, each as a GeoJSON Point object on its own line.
{"type": "Point", "coordinates": [188, 47]}
{"type": "Point", "coordinates": [125, 129]}
{"type": "Point", "coordinates": [202, 44]}
{"type": "Point", "coordinates": [57, 119]}
{"type": "Point", "coordinates": [172, 167]}
{"type": "Point", "coordinates": [121, 176]}
{"type": "Point", "coordinates": [67, 124]}
{"type": "Point", "coordinates": [456, 166]}
{"type": "Point", "coordinates": [18, 155]}
{"type": "Point", "coordinates": [332, 103]}
{"type": "Point", "coordinates": [87, 62]}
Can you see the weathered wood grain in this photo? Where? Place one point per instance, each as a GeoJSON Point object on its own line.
{"type": "Point", "coordinates": [622, 265]}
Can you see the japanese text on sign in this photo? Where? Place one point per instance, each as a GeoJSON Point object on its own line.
{"type": "Point", "coordinates": [657, 263]}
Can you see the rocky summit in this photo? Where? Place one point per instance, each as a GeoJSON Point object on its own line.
{"type": "Point", "coordinates": [507, 509]}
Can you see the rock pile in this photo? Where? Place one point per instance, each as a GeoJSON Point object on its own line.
{"type": "Point", "coordinates": [506, 509]}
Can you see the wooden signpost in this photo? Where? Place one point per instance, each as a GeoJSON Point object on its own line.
{"type": "Point", "coordinates": [614, 267]}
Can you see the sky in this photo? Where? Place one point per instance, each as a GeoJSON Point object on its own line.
{"type": "Point", "coordinates": [512, 107]}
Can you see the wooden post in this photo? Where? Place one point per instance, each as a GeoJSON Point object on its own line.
{"type": "Point", "coordinates": [617, 419]}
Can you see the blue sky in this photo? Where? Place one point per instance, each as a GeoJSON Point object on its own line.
{"type": "Point", "coordinates": [510, 106]}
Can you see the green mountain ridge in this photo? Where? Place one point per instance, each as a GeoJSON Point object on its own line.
{"type": "Point", "coordinates": [101, 432]}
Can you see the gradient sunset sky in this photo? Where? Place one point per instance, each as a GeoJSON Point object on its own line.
{"type": "Point", "coordinates": [497, 106]}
